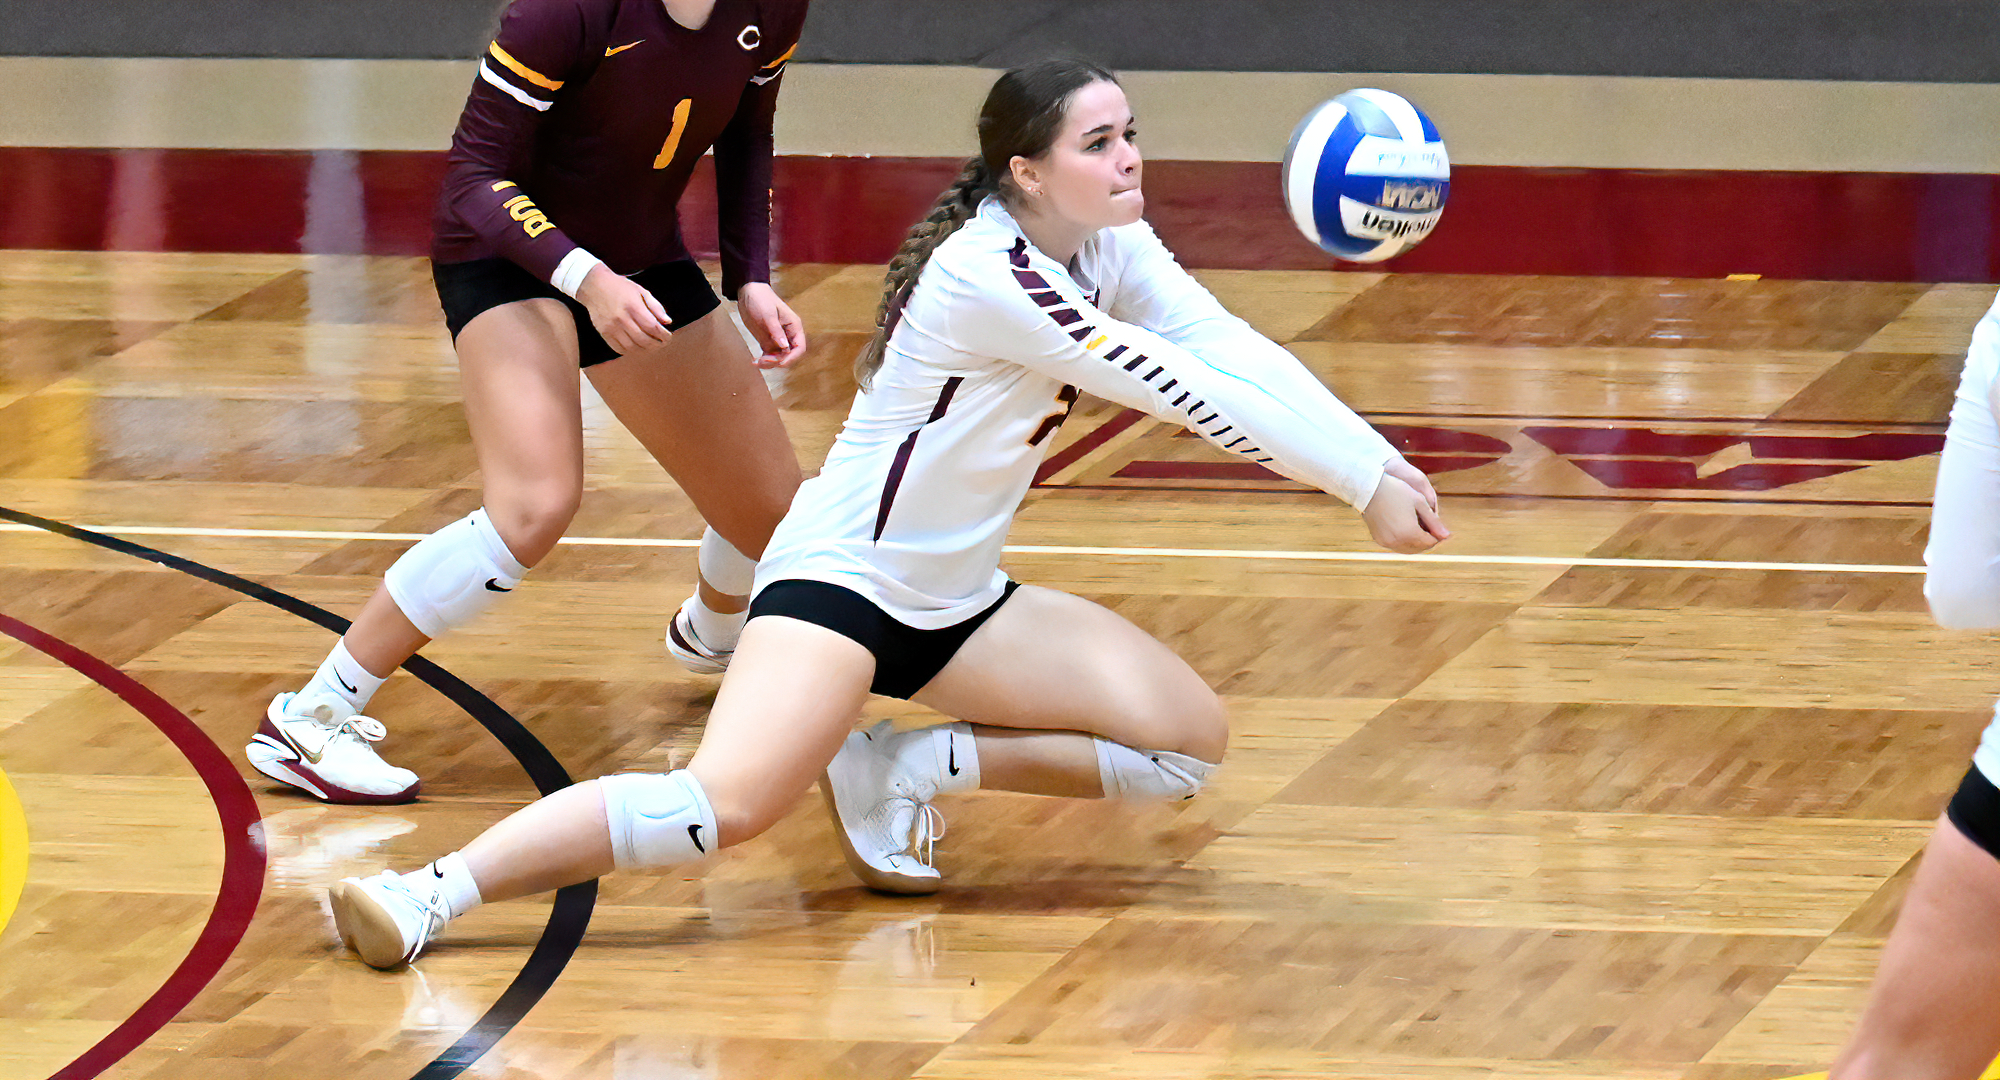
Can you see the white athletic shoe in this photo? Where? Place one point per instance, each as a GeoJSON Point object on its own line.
{"type": "Point", "coordinates": [690, 651]}
{"type": "Point", "coordinates": [383, 920]}
{"type": "Point", "coordinates": [887, 827]}
{"type": "Point", "coordinates": [326, 754]}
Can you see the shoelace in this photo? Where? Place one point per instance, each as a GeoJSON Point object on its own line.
{"type": "Point", "coordinates": [926, 828]}
{"type": "Point", "coordinates": [365, 727]}
{"type": "Point", "coordinates": [436, 914]}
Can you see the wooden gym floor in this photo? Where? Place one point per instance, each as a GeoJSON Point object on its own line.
{"type": "Point", "coordinates": [1625, 783]}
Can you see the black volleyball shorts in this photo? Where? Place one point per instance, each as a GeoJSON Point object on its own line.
{"type": "Point", "coordinates": [906, 658]}
{"type": "Point", "coordinates": [470, 289]}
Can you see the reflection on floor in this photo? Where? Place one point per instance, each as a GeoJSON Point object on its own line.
{"type": "Point", "coordinates": [1479, 818]}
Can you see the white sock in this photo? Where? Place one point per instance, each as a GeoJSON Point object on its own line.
{"type": "Point", "coordinates": [343, 677]}
{"type": "Point", "coordinates": [946, 755]}
{"type": "Point", "coordinates": [453, 881]}
{"type": "Point", "coordinates": [716, 630]}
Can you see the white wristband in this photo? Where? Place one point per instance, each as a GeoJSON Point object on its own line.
{"type": "Point", "coordinates": [571, 271]}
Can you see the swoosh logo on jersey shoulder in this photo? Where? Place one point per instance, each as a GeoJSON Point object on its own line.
{"type": "Point", "coordinates": [622, 48]}
{"type": "Point", "coordinates": [694, 834]}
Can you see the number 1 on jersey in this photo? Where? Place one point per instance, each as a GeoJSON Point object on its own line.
{"type": "Point", "coordinates": [673, 142]}
{"type": "Point", "coordinates": [1066, 397]}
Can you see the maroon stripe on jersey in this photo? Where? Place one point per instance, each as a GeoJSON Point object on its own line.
{"type": "Point", "coordinates": [1046, 299]}
{"type": "Point", "coordinates": [1082, 332]}
{"type": "Point", "coordinates": [1136, 361]}
{"type": "Point", "coordinates": [903, 452]}
{"type": "Point", "coordinates": [1018, 255]}
{"type": "Point", "coordinates": [1115, 353]}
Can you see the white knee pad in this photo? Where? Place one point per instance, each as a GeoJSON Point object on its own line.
{"type": "Point", "coordinates": [453, 574]}
{"type": "Point", "coordinates": [727, 570]}
{"type": "Point", "coordinates": [1148, 774]}
{"type": "Point", "coordinates": [656, 819]}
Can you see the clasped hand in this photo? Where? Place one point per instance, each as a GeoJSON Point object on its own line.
{"type": "Point", "coordinates": [631, 319]}
{"type": "Point", "coordinates": [1402, 515]}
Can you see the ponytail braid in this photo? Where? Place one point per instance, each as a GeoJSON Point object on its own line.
{"type": "Point", "coordinates": [1021, 117]}
{"type": "Point", "coordinates": [954, 207]}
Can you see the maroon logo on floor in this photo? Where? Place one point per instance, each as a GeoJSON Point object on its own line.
{"type": "Point", "coordinates": [1621, 457]}
{"type": "Point", "coordinates": [1734, 456]}
{"type": "Point", "coordinates": [1434, 450]}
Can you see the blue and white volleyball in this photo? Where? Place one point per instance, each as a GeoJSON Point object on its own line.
{"type": "Point", "coordinates": [1366, 175]}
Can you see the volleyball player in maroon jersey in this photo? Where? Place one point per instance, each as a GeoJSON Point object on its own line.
{"type": "Point", "coordinates": [557, 246]}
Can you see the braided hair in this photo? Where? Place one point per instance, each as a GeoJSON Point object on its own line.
{"type": "Point", "coordinates": [1022, 116]}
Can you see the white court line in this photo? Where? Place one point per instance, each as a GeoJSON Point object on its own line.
{"type": "Point", "coordinates": [1108, 552]}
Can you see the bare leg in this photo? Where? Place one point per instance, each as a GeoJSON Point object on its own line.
{"type": "Point", "coordinates": [382, 637]}
{"type": "Point", "coordinates": [1058, 763]}
{"type": "Point", "coordinates": [1066, 669]}
{"type": "Point", "coordinates": [788, 701]}
{"type": "Point", "coordinates": [720, 602]}
{"type": "Point", "coordinates": [784, 707]}
{"type": "Point", "coordinates": [518, 366]}
{"type": "Point", "coordinates": [557, 840]}
{"type": "Point", "coordinates": [1934, 1010]}
{"type": "Point", "coordinates": [699, 407]}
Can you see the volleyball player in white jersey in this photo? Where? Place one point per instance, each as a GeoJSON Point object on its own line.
{"type": "Point", "coordinates": [1934, 1011]}
{"type": "Point", "coordinates": [884, 575]}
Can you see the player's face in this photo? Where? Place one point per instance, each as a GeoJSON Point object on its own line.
{"type": "Point", "coordinates": [1091, 175]}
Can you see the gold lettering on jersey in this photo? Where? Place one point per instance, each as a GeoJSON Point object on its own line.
{"type": "Point", "coordinates": [533, 221]}
{"type": "Point", "coordinates": [503, 185]}
{"type": "Point", "coordinates": [673, 143]}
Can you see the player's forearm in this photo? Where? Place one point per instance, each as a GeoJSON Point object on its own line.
{"type": "Point", "coordinates": [743, 169]}
{"type": "Point", "coordinates": [1313, 436]}
{"type": "Point", "coordinates": [490, 150]}
{"type": "Point", "coordinates": [507, 217]}
{"type": "Point", "coordinates": [1314, 439]}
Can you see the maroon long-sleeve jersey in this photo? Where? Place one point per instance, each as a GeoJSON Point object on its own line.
{"type": "Point", "coordinates": [587, 119]}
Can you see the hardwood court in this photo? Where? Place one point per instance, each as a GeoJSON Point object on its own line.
{"type": "Point", "coordinates": [1570, 801]}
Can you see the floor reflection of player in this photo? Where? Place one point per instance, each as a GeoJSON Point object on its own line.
{"type": "Point", "coordinates": [1934, 1010]}
{"type": "Point", "coordinates": [1033, 276]}
{"type": "Point", "coordinates": [557, 246]}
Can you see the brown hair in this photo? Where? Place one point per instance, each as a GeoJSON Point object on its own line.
{"type": "Point", "coordinates": [1022, 115]}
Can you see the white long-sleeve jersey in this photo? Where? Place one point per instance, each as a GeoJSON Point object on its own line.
{"type": "Point", "coordinates": [913, 505]}
{"type": "Point", "coordinates": [1962, 559]}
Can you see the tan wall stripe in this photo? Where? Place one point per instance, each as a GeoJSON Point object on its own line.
{"type": "Point", "coordinates": [1561, 121]}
